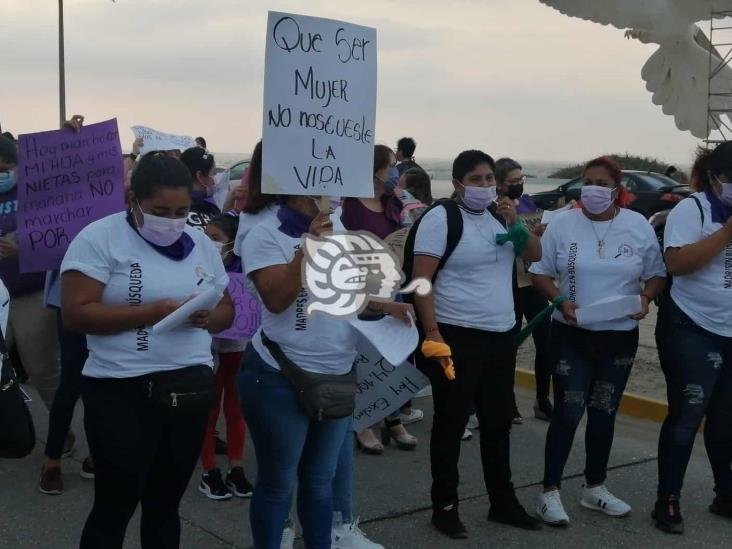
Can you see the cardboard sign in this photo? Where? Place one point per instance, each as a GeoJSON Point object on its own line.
{"type": "Point", "coordinates": [382, 387]}
{"type": "Point", "coordinates": [319, 107]}
{"type": "Point", "coordinates": [66, 180]}
{"type": "Point", "coordinates": [154, 140]}
{"type": "Point", "coordinates": [248, 310]}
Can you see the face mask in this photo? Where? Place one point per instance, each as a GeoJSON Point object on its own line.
{"type": "Point", "coordinates": [478, 198]}
{"type": "Point", "coordinates": [515, 191]}
{"type": "Point", "coordinates": [7, 181]}
{"type": "Point", "coordinates": [160, 231]}
{"type": "Point", "coordinates": [392, 179]}
{"type": "Point", "coordinates": [596, 199]}
{"type": "Point", "coordinates": [220, 247]}
{"type": "Point", "coordinates": [725, 197]}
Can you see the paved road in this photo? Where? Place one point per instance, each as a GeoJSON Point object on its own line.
{"type": "Point", "coordinates": [392, 498]}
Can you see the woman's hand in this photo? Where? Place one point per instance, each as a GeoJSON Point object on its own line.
{"type": "Point", "coordinates": [200, 319]}
{"type": "Point", "coordinates": [507, 209]}
{"type": "Point", "coordinates": [540, 229]}
{"type": "Point", "coordinates": [8, 248]}
{"type": "Point", "coordinates": [568, 309]}
{"type": "Point", "coordinates": [645, 307]}
{"type": "Point", "coordinates": [76, 122]}
{"type": "Point", "coordinates": [137, 145]}
{"type": "Point", "coordinates": [321, 225]}
{"type": "Point", "coordinates": [401, 311]}
{"type": "Point", "coordinates": [164, 307]}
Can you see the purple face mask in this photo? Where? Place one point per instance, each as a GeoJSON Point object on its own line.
{"type": "Point", "coordinates": [478, 198]}
{"type": "Point", "coordinates": [596, 199]}
{"type": "Point", "coordinates": [392, 179]}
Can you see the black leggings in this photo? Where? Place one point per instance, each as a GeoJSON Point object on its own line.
{"type": "Point", "coordinates": [530, 303]}
{"type": "Point", "coordinates": [142, 454]}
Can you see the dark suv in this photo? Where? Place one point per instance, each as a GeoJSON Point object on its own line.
{"type": "Point", "coordinates": [654, 192]}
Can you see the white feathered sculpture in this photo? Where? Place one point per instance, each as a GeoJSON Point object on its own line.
{"type": "Point", "coordinates": [678, 72]}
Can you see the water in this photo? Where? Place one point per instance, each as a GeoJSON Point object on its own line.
{"type": "Point", "coordinates": [441, 173]}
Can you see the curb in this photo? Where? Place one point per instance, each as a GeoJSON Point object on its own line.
{"type": "Point", "coordinates": [631, 405]}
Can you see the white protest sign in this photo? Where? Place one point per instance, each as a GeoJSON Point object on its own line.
{"type": "Point", "coordinates": [154, 140]}
{"type": "Point", "coordinates": [319, 107]}
{"type": "Point", "coordinates": [382, 387]}
{"type": "Point", "coordinates": [393, 339]}
{"type": "Point", "coordinates": [610, 308]}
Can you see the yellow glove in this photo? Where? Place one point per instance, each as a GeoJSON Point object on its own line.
{"type": "Point", "coordinates": [435, 349]}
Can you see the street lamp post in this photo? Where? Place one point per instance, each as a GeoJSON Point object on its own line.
{"type": "Point", "coordinates": [61, 68]}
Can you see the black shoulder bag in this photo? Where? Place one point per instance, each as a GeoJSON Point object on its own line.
{"type": "Point", "coordinates": [17, 433]}
{"type": "Point", "coordinates": [323, 396]}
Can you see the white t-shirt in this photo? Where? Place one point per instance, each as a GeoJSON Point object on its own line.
{"type": "Point", "coordinates": [4, 307]}
{"type": "Point", "coordinates": [705, 295]}
{"type": "Point", "coordinates": [474, 288]}
{"type": "Point", "coordinates": [248, 221]}
{"type": "Point", "coordinates": [570, 256]}
{"type": "Point", "coordinates": [317, 343]}
{"type": "Point", "coordinates": [134, 273]}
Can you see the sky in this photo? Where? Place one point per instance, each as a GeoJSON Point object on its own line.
{"type": "Point", "coordinates": [510, 77]}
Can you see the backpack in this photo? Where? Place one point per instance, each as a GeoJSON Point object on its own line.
{"type": "Point", "coordinates": [454, 234]}
{"type": "Point", "coordinates": [669, 278]}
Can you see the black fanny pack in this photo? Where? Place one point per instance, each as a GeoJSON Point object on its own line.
{"type": "Point", "coordinates": [324, 396]}
{"type": "Point", "coordinates": [187, 391]}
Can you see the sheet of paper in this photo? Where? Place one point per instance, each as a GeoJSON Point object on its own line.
{"type": "Point", "coordinates": [154, 140]}
{"type": "Point", "coordinates": [221, 188]}
{"type": "Point", "coordinates": [391, 337]}
{"type": "Point", "coordinates": [548, 215]}
{"type": "Point", "coordinates": [205, 301]}
{"type": "Point", "coordinates": [609, 308]}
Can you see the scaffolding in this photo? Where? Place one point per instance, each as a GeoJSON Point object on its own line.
{"type": "Point", "coordinates": [719, 120]}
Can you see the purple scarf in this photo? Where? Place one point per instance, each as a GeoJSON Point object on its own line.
{"type": "Point", "coordinates": [177, 251]}
{"type": "Point", "coordinates": [293, 223]}
{"type": "Point", "coordinates": [720, 212]}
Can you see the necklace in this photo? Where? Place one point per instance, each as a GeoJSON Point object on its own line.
{"type": "Point", "coordinates": [601, 241]}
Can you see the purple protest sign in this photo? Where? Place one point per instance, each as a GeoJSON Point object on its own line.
{"type": "Point", "coordinates": [66, 180]}
{"type": "Point", "coordinates": [248, 310]}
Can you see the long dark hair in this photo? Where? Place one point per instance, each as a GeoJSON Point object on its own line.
{"type": "Point", "coordinates": [256, 200]}
{"type": "Point", "coordinates": [418, 183]}
{"type": "Point", "coordinates": [709, 163]}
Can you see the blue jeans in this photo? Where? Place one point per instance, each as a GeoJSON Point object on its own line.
{"type": "Point", "coordinates": [343, 481]}
{"type": "Point", "coordinates": [591, 373]}
{"type": "Point", "coordinates": [290, 447]}
{"type": "Point", "coordinates": [697, 365]}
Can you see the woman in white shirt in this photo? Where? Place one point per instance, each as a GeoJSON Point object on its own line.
{"type": "Point", "coordinates": [290, 445]}
{"type": "Point", "coordinates": [471, 311]}
{"type": "Point", "coordinates": [694, 337]}
{"type": "Point", "coordinates": [146, 395]}
{"type": "Point", "coordinates": [598, 251]}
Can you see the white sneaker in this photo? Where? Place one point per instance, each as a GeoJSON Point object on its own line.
{"type": "Point", "coordinates": [473, 422]}
{"type": "Point", "coordinates": [600, 499]}
{"type": "Point", "coordinates": [288, 538]}
{"type": "Point", "coordinates": [350, 536]}
{"type": "Point", "coordinates": [550, 509]}
{"type": "Point", "coordinates": [412, 417]}
{"type": "Point", "coordinates": [467, 435]}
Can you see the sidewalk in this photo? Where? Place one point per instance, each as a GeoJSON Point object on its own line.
{"type": "Point", "coordinates": [392, 497]}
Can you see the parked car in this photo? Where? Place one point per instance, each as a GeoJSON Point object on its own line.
{"type": "Point", "coordinates": [237, 171]}
{"type": "Point", "coordinates": [654, 192]}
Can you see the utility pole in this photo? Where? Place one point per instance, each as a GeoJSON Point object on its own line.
{"type": "Point", "coordinates": [61, 67]}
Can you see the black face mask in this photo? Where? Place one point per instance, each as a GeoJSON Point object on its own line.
{"type": "Point", "coordinates": [515, 191]}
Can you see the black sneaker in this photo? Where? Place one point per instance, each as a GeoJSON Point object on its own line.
{"type": "Point", "coordinates": [667, 515]}
{"type": "Point", "coordinates": [220, 446]}
{"type": "Point", "coordinates": [508, 510]}
{"type": "Point", "coordinates": [87, 468]}
{"type": "Point", "coordinates": [237, 482]}
{"type": "Point", "coordinates": [722, 506]}
{"type": "Point", "coordinates": [212, 486]}
{"type": "Point", "coordinates": [448, 522]}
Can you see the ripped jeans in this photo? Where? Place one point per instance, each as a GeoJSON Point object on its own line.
{"type": "Point", "coordinates": [697, 365]}
{"type": "Point", "coordinates": [591, 373]}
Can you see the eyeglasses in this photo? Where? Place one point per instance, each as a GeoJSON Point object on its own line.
{"type": "Point", "coordinates": [517, 181]}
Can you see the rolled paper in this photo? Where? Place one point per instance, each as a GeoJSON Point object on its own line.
{"type": "Point", "coordinates": [436, 349]}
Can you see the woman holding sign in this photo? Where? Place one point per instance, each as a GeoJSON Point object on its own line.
{"type": "Point", "coordinates": [467, 248]}
{"type": "Point", "coordinates": [147, 394]}
{"type": "Point", "coordinates": [600, 251]}
{"type": "Point", "coordinates": [294, 441]}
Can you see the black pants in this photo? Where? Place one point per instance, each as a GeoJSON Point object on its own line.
{"type": "Point", "coordinates": [484, 372]}
{"type": "Point", "coordinates": [142, 454]}
{"type": "Point", "coordinates": [73, 356]}
{"type": "Point", "coordinates": [528, 304]}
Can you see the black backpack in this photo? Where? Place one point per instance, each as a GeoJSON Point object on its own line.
{"type": "Point", "coordinates": [454, 234]}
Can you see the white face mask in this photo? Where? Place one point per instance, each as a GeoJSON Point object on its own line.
{"type": "Point", "coordinates": [596, 199]}
{"type": "Point", "coordinates": [220, 247]}
{"type": "Point", "coordinates": [160, 231]}
{"type": "Point", "coordinates": [725, 196]}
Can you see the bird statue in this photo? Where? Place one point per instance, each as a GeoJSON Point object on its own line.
{"type": "Point", "coordinates": [677, 74]}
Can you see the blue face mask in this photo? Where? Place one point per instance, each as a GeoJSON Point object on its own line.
{"type": "Point", "coordinates": [7, 181]}
{"type": "Point", "coordinates": [392, 180]}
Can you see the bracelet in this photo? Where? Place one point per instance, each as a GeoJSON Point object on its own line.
{"type": "Point", "coordinates": [432, 330]}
